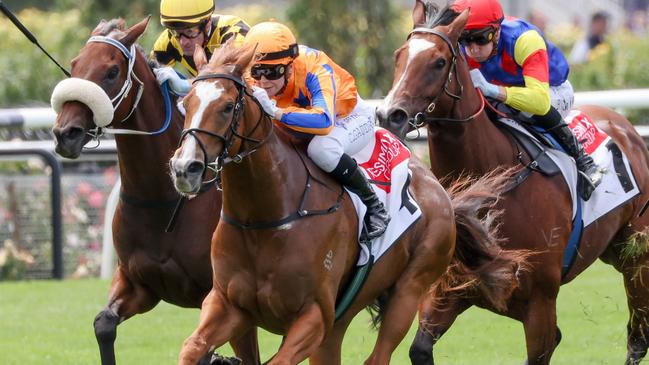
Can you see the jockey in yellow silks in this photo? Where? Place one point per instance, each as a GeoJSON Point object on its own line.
{"type": "Point", "coordinates": [513, 63]}
{"type": "Point", "coordinates": [304, 90]}
{"type": "Point", "coordinates": [189, 23]}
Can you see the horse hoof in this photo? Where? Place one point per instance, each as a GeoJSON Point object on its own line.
{"type": "Point", "coordinates": [222, 360]}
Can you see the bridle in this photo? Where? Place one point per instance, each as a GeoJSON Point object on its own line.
{"type": "Point", "coordinates": [422, 118]}
{"type": "Point", "coordinates": [130, 55]}
{"type": "Point", "coordinates": [232, 131]}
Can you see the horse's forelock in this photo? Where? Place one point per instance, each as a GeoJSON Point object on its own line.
{"type": "Point", "coordinates": [435, 16]}
{"type": "Point", "coordinates": [229, 55]}
{"type": "Point", "coordinates": [113, 28]}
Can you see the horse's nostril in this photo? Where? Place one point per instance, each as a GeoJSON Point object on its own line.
{"type": "Point", "coordinates": [72, 133]}
{"type": "Point", "coordinates": [195, 167]}
{"type": "Point", "coordinates": [398, 116]}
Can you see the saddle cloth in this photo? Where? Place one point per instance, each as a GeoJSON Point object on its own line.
{"type": "Point", "coordinates": [385, 163]}
{"type": "Point", "coordinates": [618, 185]}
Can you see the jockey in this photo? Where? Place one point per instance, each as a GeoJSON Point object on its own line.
{"type": "Point", "coordinates": [513, 63]}
{"type": "Point", "coordinates": [304, 90]}
{"type": "Point", "coordinates": [190, 23]}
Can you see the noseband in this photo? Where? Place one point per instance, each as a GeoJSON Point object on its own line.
{"type": "Point", "coordinates": [228, 138]}
{"type": "Point", "coordinates": [424, 117]}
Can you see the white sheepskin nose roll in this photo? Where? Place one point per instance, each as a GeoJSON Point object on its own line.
{"type": "Point", "coordinates": [86, 92]}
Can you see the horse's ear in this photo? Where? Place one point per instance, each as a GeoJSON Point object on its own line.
{"type": "Point", "coordinates": [419, 13]}
{"type": "Point", "coordinates": [135, 32]}
{"type": "Point", "coordinates": [457, 26]}
{"type": "Point", "coordinates": [200, 59]}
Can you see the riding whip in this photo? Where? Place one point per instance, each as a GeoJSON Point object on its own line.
{"type": "Point", "coordinates": [28, 34]}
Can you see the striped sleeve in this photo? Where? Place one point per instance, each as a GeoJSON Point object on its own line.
{"type": "Point", "coordinates": [319, 118]}
{"type": "Point", "coordinates": [163, 51]}
{"type": "Point", "coordinates": [530, 52]}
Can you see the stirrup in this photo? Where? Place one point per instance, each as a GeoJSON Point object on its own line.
{"type": "Point", "coordinates": [585, 185]}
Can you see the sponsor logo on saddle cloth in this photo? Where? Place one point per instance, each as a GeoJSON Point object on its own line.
{"type": "Point", "coordinates": [618, 184]}
{"type": "Point", "coordinates": [385, 162]}
{"type": "Point", "coordinates": [586, 131]}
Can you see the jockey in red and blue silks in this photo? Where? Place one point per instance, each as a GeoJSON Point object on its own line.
{"type": "Point", "coordinates": [304, 90]}
{"type": "Point", "coordinates": [513, 63]}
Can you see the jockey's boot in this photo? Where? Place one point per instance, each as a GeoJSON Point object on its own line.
{"type": "Point", "coordinates": [350, 176]}
{"type": "Point", "coordinates": [591, 174]}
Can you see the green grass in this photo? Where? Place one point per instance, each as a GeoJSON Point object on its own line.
{"type": "Point", "coordinates": [47, 322]}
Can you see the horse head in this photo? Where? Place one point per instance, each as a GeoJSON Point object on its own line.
{"type": "Point", "coordinates": [103, 89]}
{"type": "Point", "coordinates": [215, 125]}
{"type": "Point", "coordinates": [428, 80]}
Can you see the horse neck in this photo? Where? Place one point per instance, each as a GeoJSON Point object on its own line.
{"type": "Point", "coordinates": [474, 147]}
{"type": "Point", "coordinates": [144, 160]}
{"type": "Point", "coordinates": [267, 184]}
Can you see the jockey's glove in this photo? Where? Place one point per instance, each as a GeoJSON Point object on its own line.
{"type": "Point", "coordinates": [268, 104]}
{"type": "Point", "coordinates": [177, 84]}
{"type": "Point", "coordinates": [488, 89]}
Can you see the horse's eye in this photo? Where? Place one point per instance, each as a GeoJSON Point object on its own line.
{"type": "Point", "coordinates": [228, 108]}
{"type": "Point", "coordinates": [112, 73]}
{"type": "Point", "coordinates": [440, 63]}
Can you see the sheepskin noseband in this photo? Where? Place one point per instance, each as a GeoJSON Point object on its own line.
{"type": "Point", "coordinates": [85, 92]}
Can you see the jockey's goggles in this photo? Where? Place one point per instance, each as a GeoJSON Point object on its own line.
{"type": "Point", "coordinates": [189, 33]}
{"type": "Point", "coordinates": [480, 37]}
{"type": "Point", "coordinates": [270, 72]}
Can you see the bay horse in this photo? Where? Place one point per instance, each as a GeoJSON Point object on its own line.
{"type": "Point", "coordinates": [153, 265]}
{"type": "Point", "coordinates": [287, 241]}
{"type": "Point", "coordinates": [432, 77]}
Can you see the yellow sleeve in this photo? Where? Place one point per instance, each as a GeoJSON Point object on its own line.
{"type": "Point", "coordinates": [530, 53]}
{"type": "Point", "coordinates": [229, 26]}
{"type": "Point", "coordinates": [163, 50]}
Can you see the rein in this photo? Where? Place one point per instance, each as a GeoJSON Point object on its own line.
{"type": "Point", "coordinates": [424, 117]}
{"type": "Point", "coordinates": [131, 56]}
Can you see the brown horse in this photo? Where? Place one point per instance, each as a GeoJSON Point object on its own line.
{"type": "Point", "coordinates": [432, 77]}
{"type": "Point", "coordinates": [278, 263]}
{"type": "Point", "coordinates": [153, 265]}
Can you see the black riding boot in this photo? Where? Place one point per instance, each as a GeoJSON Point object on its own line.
{"type": "Point", "coordinates": [350, 176]}
{"type": "Point", "coordinates": [591, 174]}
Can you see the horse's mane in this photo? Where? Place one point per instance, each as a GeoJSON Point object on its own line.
{"type": "Point", "coordinates": [436, 16]}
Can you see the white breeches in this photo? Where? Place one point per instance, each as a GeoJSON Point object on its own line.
{"type": "Point", "coordinates": [349, 135]}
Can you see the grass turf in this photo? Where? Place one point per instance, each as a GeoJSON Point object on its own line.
{"type": "Point", "coordinates": [50, 322]}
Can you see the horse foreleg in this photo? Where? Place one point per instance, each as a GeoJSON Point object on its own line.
{"type": "Point", "coordinates": [436, 315]}
{"type": "Point", "coordinates": [219, 322]}
{"type": "Point", "coordinates": [246, 348]}
{"type": "Point", "coordinates": [125, 300]}
{"type": "Point", "coordinates": [540, 324]}
{"type": "Point", "coordinates": [303, 338]}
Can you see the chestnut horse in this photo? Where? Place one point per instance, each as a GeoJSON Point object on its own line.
{"type": "Point", "coordinates": [432, 77]}
{"type": "Point", "coordinates": [287, 243]}
{"type": "Point", "coordinates": [153, 265]}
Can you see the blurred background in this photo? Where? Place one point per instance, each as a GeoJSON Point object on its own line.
{"type": "Point", "coordinates": [361, 35]}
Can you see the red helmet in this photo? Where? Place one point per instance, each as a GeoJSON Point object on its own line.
{"type": "Point", "coordinates": [483, 13]}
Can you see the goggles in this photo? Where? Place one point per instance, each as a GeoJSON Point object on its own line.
{"type": "Point", "coordinates": [479, 37]}
{"type": "Point", "coordinates": [189, 33]}
{"type": "Point", "coordinates": [270, 72]}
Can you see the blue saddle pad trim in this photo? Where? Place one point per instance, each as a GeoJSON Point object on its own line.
{"type": "Point", "coordinates": [570, 252]}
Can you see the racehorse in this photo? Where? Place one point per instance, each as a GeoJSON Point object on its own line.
{"type": "Point", "coordinates": [432, 77]}
{"type": "Point", "coordinates": [153, 265]}
{"type": "Point", "coordinates": [287, 242]}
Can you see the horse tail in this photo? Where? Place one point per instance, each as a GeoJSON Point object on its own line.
{"type": "Point", "coordinates": [480, 267]}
